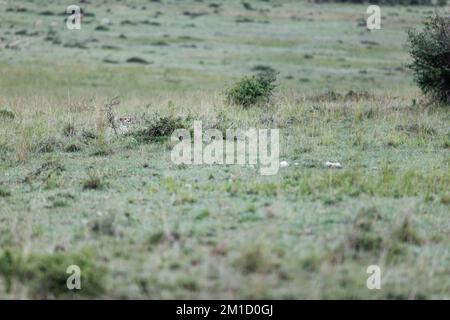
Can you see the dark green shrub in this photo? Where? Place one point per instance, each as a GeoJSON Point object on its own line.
{"type": "Point", "coordinates": [252, 90]}
{"type": "Point", "coordinates": [430, 50]}
{"type": "Point", "coordinates": [4, 192]}
{"type": "Point", "coordinates": [157, 128]}
{"type": "Point", "coordinates": [6, 115]}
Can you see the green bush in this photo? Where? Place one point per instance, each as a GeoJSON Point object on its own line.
{"type": "Point", "coordinates": [252, 90]}
{"type": "Point", "coordinates": [4, 192]}
{"type": "Point", "coordinates": [430, 51]}
{"type": "Point", "coordinates": [6, 115]}
{"type": "Point", "coordinates": [157, 128]}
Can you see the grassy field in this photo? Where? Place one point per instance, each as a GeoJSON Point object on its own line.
{"type": "Point", "coordinates": [139, 226]}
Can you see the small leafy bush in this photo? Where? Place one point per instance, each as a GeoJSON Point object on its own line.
{"type": "Point", "coordinates": [6, 115]}
{"type": "Point", "coordinates": [157, 128]}
{"type": "Point", "coordinates": [430, 50]}
{"type": "Point", "coordinates": [252, 90]}
{"type": "Point", "coordinates": [4, 192]}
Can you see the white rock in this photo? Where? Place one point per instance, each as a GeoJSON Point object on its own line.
{"type": "Point", "coordinates": [284, 164]}
{"type": "Point", "coordinates": [334, 165]}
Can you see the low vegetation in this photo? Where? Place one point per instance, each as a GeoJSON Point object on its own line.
{"type": "Point", "coordinates": [430, 50]}
{"type": "Point", "coordinates": [44, 276]}
{"type": "Point", "coordinates": [253, 90]}
{"type": "Point", "coordinates": [87, 181]}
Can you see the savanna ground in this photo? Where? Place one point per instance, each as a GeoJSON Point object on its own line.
{"type": "Point", "coordinates": [139, 226]}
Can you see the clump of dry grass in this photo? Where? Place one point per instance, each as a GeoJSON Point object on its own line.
{"type": "Point", "coordinates": [110, 114]}
{"type": "Point", "coordinates": [367, 238]}
{"type": "Point", "coordinates": [363, 238]}
{"type": "Point", "coordinates": [102, 148]}
{"type": "Point", "coordinates": [69, 129]}
{"type": "Point", "coordinates": [405, 233]}
{"type": "Point", "coordinates": [256, 258]}
{"type": "Point", "coordinates": [94, 181]}
{"type": "Point", "coordinates": [49, 173]}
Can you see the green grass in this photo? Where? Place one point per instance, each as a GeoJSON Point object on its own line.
{"type": "Point", "coordinates": [139, 226]}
